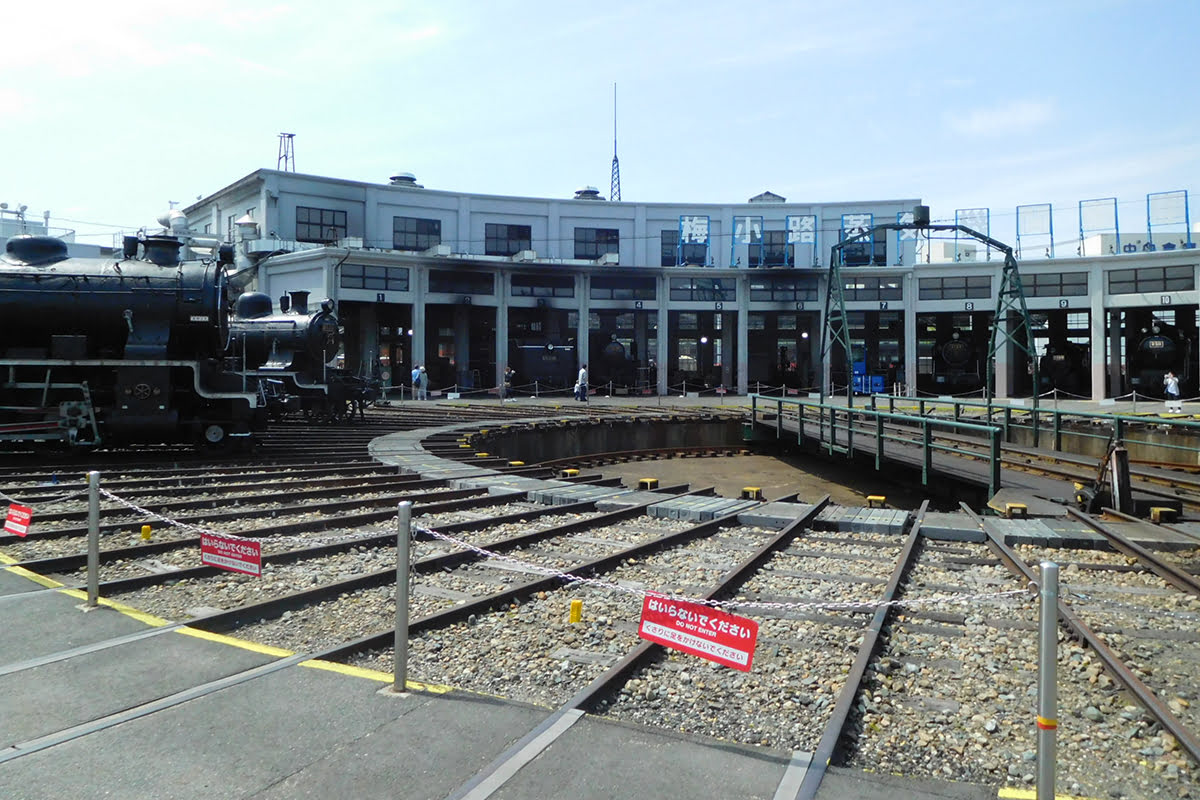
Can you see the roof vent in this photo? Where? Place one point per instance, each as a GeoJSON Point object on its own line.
{"type": "Point", "coordinates": [768, 197]}
{"type": "Point", "coordinates": [588, 193]}
{"type": "Point", "coordinates": [405, 179]}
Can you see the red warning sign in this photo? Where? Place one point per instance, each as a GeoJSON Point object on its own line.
{"type": "Point", "coordinates": [235, 555]}
{"type": "Point", "coordinates": [700, 630]}
{"type": "Point", "coordinates": [18, 519]}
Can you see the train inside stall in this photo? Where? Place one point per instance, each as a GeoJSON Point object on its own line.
{"type": "Point", "coordinates": [621, 344]}
{"type": "Point", "coordinates": [542, 349]}
{"type": "Point", "coordinates": [1156, 341]}
{"type": "Point", "coordinates": [1061, 341]}
{"type": "Point", "coordinates": [951, 352]}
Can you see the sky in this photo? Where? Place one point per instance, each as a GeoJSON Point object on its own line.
{"type": "Point", "coordinates": [112, 110]}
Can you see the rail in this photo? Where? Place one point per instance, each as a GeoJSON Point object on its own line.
{"type": "Point", "coordinates": [1052, 421]}
{"type": "Point", "coordinates": [828, 416]}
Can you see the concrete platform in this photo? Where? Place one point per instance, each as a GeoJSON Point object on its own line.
{"type": "Point", "coordinates": [101, 705]}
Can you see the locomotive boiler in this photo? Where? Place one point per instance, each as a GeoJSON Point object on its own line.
{"type": "Point", "coordinates": [120, 349]}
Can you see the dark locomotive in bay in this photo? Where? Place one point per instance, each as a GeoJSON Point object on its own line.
{"type": "Point", "coordinates": [144, 348]}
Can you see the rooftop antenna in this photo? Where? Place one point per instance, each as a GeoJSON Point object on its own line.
{"type": "Point", "coordinates": [615, 191]}
{"type": "Point", "coordinates": [287, 153]}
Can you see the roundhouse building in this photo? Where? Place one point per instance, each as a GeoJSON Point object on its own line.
{"type": "Point", "coordinates": [684, 297]}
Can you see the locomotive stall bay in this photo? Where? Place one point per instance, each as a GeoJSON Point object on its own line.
{"type": "Point", "coordinates": [143, 347]}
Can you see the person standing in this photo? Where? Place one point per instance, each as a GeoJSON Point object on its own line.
{"type": "Point", "coordinates": [416, 381]}
{"type": "Point", "coordinates": [1171, 384]}
{"type": "Point", "coordinates": [422, 384]}
{"type": "Point", "coordinates": [506, 384]}
{"type": "Point", "coordinates": [581, 384]}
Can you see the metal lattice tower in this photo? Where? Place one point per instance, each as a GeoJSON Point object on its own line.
{"type": "Point", "coordinates": [1011, 322]}
{"type": "Point", "coordinates": [286, 162]}
{"type": "Point", "coordinates": [614, 192]}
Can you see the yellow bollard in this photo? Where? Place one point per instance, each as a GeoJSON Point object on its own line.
{"type": "Point", "coordinates": [145, 533]}
{"type": "Point", "coordinates": [576, 611]}
{"type": "Point", "coordinates": [648, 483]}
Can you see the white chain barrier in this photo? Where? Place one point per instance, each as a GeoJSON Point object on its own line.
{"type": "Point", "coordinates": [725, 604]}
{"type": "Point", "coordinates": [567, 577]}
{"type": "Point", "coordinates": [310, 540]}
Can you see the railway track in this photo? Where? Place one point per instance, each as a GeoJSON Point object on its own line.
{"type": "Point", "coordinates": [839, 674]}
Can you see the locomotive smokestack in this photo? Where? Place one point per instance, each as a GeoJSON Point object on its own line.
{"type": "Point", "coordinates": [162, 250]}
{"type": "Point", "coordinates": [299, 301]}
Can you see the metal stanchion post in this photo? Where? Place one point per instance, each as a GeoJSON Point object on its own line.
{"type": "Point", "coordinates": [1047, 713]}
{"type": "Point", "coordinates": [93, 557]}
{"type": "Point", "coordinates": [403, 537]}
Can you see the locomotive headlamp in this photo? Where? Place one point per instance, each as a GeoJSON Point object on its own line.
{"type": "Point", "coordinates": [1156, 329]}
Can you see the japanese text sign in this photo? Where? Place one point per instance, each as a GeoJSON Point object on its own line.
{"type": "Point", "coordinates": [700, 630]}
{"type": "Point", "coordinates": [236, 555]}
{"type": "Point", "coordinates": [18, 519]}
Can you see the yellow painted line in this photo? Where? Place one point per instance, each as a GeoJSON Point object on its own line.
{"type": "Point", "coordinates": [129, 611]}
{"type": "Point", "coordinates": [41, 580]}
{"type": "Point", "coordinates": [221, 638]}
{"type": "Point", "coordinates": [7, 559]}
{"type": "Point", "coordinates": [1011, 793]}
{"type": "Point", "coordinates": [375, 675]}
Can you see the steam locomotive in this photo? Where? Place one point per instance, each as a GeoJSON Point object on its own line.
{"type": "Point", "coordinates": [1064, 366]}
{"type": "Point", "coordinates": [1161, 348]}
{"type": "Point", "coordinates": [957, 365]}
{"type": "Point", "coordinates": [287, 355]}
{"type": "Point", "coordinates": [135, 349]}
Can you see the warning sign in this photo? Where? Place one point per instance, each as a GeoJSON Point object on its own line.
{"type": "Point", "coordinates": [699, 630]}
{"type": "Point", "coordinates": [18, 519]}
{"type": "Point", "coordinates": [235, 555]}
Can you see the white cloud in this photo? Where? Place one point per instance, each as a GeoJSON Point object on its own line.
{"type": "Point", "coordinates": [1019, 116]}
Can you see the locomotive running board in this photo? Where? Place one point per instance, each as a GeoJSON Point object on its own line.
{"type": "Point", "coordinates": [249, 397]}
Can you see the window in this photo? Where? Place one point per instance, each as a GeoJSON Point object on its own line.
{"type": "Point", "coordinates": [1152, 279]}
{"type": "Point", "coordinates": [873, 288]}
{"type": "Point", "coordinates": [800, 289]}
{"type": "Point", "coordinates": [591, 243]}
{"type": "Point", "coordinates": [359, 276]}
{"type": "Point", "coordinates": [320, 225]}
{"type": "Point", "coordinates": [863, 254]}
{"type": "Point", "coordinates": [622, 288]}
{"type": "Point", "coordinates": [506, 240]}
{"type": "Point", "coordinates": [1055, 284]}
{"type": "Point", "coordinates": [959, 287]}
{"type": "Point", "coordinates": [773, 252]}
{"type": "Point", "coordinates": [461, 282]}
{"type": "Point", "coordinates": [696, 254]}
{"type": "Point", "coordinates": [543, 286]}
{"type": "Point", "coordinates": [413, 233]}
{"type": "Point", "coordinates": [702, 289]}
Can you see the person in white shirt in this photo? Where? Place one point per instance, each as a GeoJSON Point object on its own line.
{"type": "Point", "coordinates": [581, 385]}
{"type": "Point", "coordinates": [1171, 384]}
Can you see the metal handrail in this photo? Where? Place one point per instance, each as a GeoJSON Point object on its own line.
{"type": "Point", "coordinates": [1119, 422]}
{"type": "Point", "coordinates": [993, 431]}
